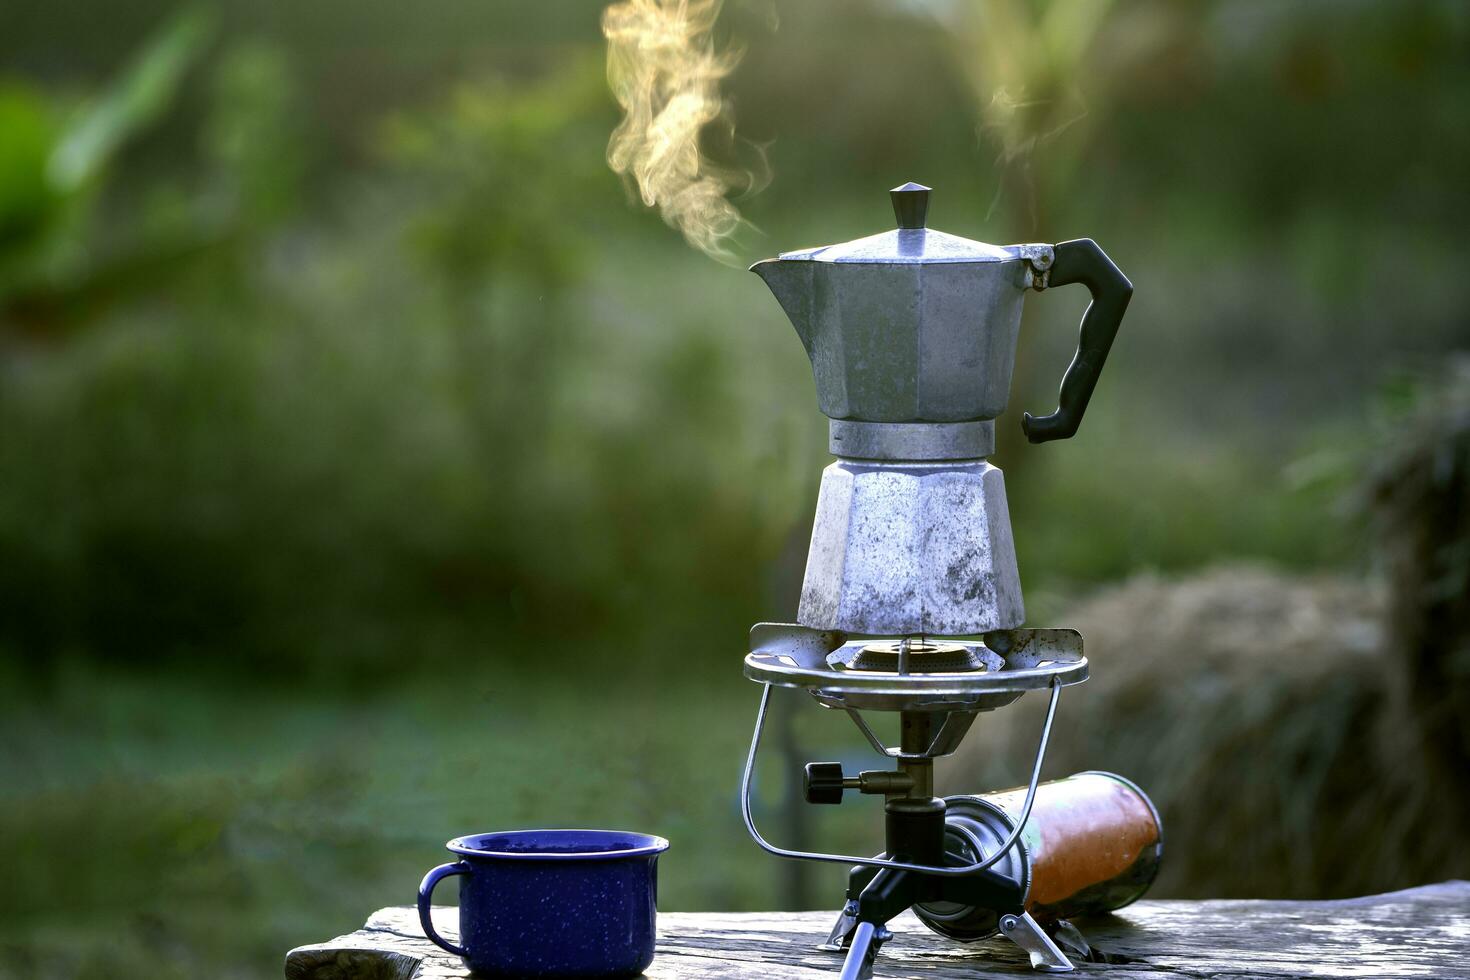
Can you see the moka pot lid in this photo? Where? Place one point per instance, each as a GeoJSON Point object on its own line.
{"type": "Point", "coordinates": [911, 243]}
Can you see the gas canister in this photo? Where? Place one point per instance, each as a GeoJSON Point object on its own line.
{"type": "Point", "coordinates": [1092, 845]}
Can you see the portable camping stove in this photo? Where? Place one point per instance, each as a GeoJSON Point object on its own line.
{"type": "Point", "coordinates": [911, 601]}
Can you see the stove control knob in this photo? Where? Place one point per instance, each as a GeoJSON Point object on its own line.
{"type": "Point", "coordinates": [824, 782]}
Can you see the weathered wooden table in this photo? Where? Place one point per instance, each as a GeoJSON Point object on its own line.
{"type": "Point", "coordinates": [1423, 932]}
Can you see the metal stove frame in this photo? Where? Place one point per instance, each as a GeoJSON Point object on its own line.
{"type": "Point", "coordinates": [1015, 661]}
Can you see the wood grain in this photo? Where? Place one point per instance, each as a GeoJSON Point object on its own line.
{"type": "Point", "coordinates": [1422, 932]}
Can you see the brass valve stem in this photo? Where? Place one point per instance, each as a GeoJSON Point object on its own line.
{"type": "Point", "coordinates": [916, 734]}
{"type": "Point", "coordinates": [883, 782]}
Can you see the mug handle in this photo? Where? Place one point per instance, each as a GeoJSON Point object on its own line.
{"type": "Point", "coordinates": [426, 895]}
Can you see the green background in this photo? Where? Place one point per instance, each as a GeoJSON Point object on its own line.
{"type": "Point", "coordinates": [374, 468]}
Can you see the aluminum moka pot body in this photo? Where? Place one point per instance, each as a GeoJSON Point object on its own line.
{"type": "Point", "coordinates": [912, 338]}
{"type": "Point", "coordinates": [915, 341]}
{"type": "Point", "coordinates": [915, 327]}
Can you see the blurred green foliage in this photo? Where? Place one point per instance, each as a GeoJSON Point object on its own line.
{"type": "Point", "coordinates": [57, 255]}
{"type": "Point", "coordinates": [26, 196]}
{"type": "Point", "coordinates": [332, 359]}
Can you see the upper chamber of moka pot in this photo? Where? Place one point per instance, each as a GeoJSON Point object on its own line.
{"type": "Point", "coordinates": [911, 326]}
{"type": "Point", "coordinates": [912, 339]}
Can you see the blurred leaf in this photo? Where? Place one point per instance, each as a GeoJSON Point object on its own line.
{"type": "Point", "coordinates": [27, 201]}
{"type": "Point", "coordinates": [59, 265]}
{"type": "Point", "coordinates": [135, 99]}
{"type": "Point", "coordinates": [251, 135]}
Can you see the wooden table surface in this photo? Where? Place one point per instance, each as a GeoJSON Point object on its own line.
{"type": "Point", "coordinates": [1422, 932]}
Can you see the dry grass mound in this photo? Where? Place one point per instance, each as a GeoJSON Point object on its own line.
{"type": "Point", "coordinates": [1255, 709]}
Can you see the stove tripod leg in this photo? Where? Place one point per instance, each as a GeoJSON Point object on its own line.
{"type": "Point", "coordinates": [1025, 933]}
{"type": "Point", "coordinates": [882, 896]}
{"type": "Point", "coordinates": [857, 879]}
{"type": "Point", "coordinates": [866, 939]}
{"type": "Point", "coordinates": [842, 929]}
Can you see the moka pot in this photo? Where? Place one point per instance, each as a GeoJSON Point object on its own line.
{"type": "Point", "coordinates": [912, 338]}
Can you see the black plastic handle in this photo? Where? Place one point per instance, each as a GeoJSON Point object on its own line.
{"type": "Point", "coordinates": [1082, 261]}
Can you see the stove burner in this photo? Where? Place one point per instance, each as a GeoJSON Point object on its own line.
{"type": "Point", "coordinates": [924, 657]}
{"type": "Point", "coordinates": [864, 674]}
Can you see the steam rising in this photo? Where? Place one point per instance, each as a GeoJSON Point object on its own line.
{"type": "Point", "coordinates": [664, 71]}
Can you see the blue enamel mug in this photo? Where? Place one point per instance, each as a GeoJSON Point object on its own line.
{"type": "Point", "coordinates": [552, 903]}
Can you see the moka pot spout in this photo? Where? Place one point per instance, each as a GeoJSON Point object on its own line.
{"type": "Point", "coordinates": [791, 282]}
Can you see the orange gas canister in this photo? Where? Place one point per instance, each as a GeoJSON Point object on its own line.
{"type": "Point", "coordinates": [1092, 845]}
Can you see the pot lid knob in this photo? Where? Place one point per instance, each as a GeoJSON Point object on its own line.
{"type": "Point", "coordinates": [910, 204]}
